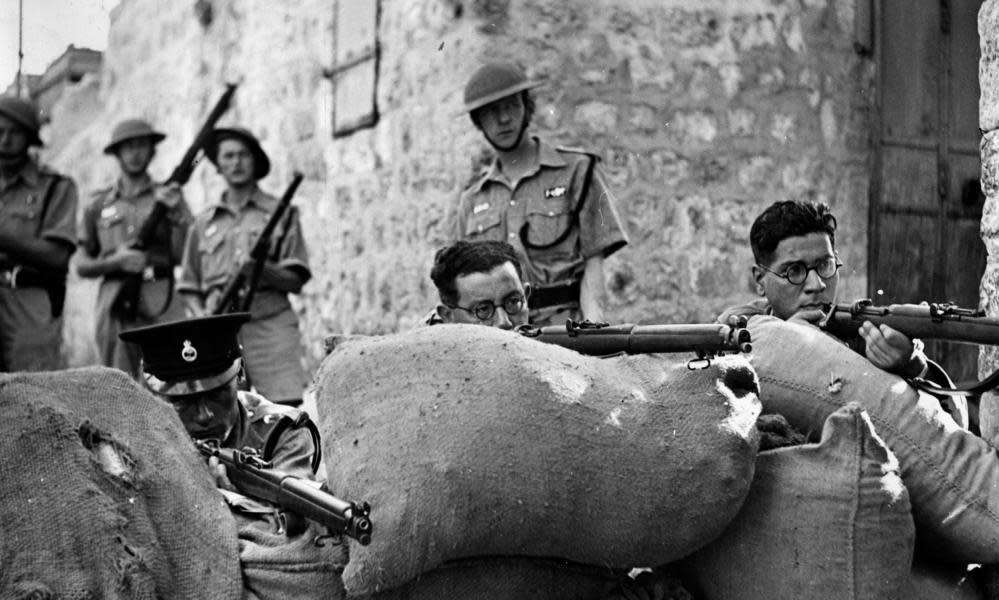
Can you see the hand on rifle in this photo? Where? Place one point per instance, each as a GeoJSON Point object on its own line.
{"type": "Point", "coordinates": [128, 260]}
{"type": "Point", "coordinates": [169, 195]}
{"type": "Point", "coordinates": [892, 350]}
{"type": "Point", "coordinates": [220, 474]}
{"type": "Point", "coordinates": [211, 302]}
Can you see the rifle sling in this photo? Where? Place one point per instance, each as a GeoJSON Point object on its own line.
{"type": "Point", "coordinates": [989, 383]}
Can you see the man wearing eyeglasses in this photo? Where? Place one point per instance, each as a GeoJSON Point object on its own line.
{"type": "Point", "coordinates": [479, 283]}
{"type": "Point", "coordinates": [797, 270]}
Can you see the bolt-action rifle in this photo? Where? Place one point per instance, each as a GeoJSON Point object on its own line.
{"type": "Point", "coordinates": [126, 302]}
{"type": "Point", "coordinates": [237, 295]}
{"type": "Point", "coordinates": [256, 477]}
{"type": "Point", "coordinates": [932, 321]}
{"type": "Point", "coordinates": [601, 339]}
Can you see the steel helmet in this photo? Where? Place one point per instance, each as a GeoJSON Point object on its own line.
{"type": "Point", "coordinates": [261, 163]}
{"type": "Point", "coordinates": [493, 81]}
{"type": "Point", "coordinates": [24, 113]}
{"type": "Point", "coordinates": [131, 129]}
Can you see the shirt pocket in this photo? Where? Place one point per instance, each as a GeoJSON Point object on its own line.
{"type": "Point", "coordinates": [111, 232]}
{"type": "Point", "coordinates": [23, 219]}
{"type": "Point", "coordinates": [547, 220]}
{"type": "Point", "coordinates": [484, 226]}
{"type": "Point", "coordinates": [216, 259]}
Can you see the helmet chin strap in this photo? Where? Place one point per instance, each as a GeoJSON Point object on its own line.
{"type": "Point", "coordinates": [516, 142]}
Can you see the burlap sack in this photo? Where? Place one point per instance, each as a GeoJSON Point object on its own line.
{"type": "Point", "coordinates": [822, 521]}
{"type": "Point", "coordinates": [506, 578]}
{"type": "Point", "coordinates": [951, 475]}
{"type": "Point", "coordinates": [127, 510]}
{"type": "Point", "coordinates": [471, 441]}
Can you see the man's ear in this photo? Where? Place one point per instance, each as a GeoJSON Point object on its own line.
{"type": "Point", "coordinates": [527, 290]}
{"type": "Point", "coordinates": [758, 275]}
{"type": "Point", "coordinates": [444, 312]}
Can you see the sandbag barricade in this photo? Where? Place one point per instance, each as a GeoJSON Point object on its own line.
{"type": "Point", "coordinates": [822, 521]}
{"type": "Point", "coordinates": [471, 441]}
{"type": "Point", "coordinates": [104, 496]}
{"type": "Point", "coordinates": [951, 474]}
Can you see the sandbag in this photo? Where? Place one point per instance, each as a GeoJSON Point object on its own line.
{"type": "Point", "coordinates": [103, 495]}
{"type": "Point", "coordinates": [506, 578]}
{"type": "Point", "coordinates": [826, 521]}
{"type": "Point", "coordinates": [951, 474]}
{"type": "Point", "coordinates": [472, 441]}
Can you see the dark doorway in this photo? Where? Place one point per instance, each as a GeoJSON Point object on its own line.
{"type": "Point", "coordinates": [926, 202]}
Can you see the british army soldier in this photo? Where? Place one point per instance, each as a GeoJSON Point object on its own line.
{"type": "Point", "coordinates": [37, 238]}
{"type": "Point", "coordinates": [108, 231]}
{"type": "Point", "coordinates": [195, 366]}
{"type": "Point", "coordinates": [551, 204]}
{"type": "Point", "coordinates": [219, 244]}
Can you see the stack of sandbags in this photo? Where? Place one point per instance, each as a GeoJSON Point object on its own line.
{"type": "Point", "coordinates": [951, 475]}
{"type": "Point", "coordinates": [470, 441]}
{"type": "Point", "coordinates": [104, 496]}
{"type": "Point", "coordinates": [822, 521]}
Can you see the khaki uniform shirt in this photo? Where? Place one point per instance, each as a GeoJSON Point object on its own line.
{"type": "Point", "coordinates": [30, 337]}
{"type": "Point", "coordinates": [21, 207]}
{"type": "Point", "coordinates": [545, 201]}
{"type": "Point", "coordinates": [113, 219]}
{"type": "Point", "coordinates": [220, 242]}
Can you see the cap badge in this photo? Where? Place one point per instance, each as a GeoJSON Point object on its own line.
{"type": "Point", "coordinates": [555, 192]}
{"type": "Point", "coordinates": [189, 353]}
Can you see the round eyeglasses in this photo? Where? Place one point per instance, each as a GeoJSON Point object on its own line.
{"type": "Point", "coordinates": [485, 310]}
{"type": "Point", "coordinates": [797, 272]}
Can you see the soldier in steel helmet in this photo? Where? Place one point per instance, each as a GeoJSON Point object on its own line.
{"type": "Point", "coordinates": [551, 204]}
{"type": "Point", "coordinates": [219, 244]}
{"type": "Point", "coordinates": [108, 231]}
{"type": "Point", "coordinates": [37, 237]}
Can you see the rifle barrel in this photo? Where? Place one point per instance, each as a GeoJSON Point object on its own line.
{"type": "Point", "coordinates": [916, 321]}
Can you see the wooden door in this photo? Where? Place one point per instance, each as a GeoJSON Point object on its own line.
{"type": "Point", "coordinates": [926, 201]}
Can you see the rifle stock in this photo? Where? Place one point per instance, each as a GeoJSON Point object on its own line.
{"type": "Point", "coordinates": [127, 301]}
{"type": "Point", "coordinates": [255, 477]}
{"type": "Point", "coordinates": [237, 295]}
{"type": "Point", "coordinates": [926, 321]}
{"type": "Point", "coordinates": [601, 339]}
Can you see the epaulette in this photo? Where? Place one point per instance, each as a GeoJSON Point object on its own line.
{"type": "Point", "coordinates": [102, 193]}
{"type": "Point", "coordinates": [272, 419]}
{"type": "Point", "coordinates": [573, 150]}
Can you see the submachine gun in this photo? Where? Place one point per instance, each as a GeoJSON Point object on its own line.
{"type": "Point", "coordinates": [933, 321]}
{"type": "Point", "coordinates": [237, 296]}
{"type": "Point", "coordinates": [126, 302]}
{"type": "Point", "coordinates": [707, 340]}
{"type": "Point", "coordinates": [255, 477]}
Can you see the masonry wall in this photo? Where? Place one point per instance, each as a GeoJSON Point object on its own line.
{"type": "Point", "coordinates": [703, 112]}
{"type": "Point", "coordinates": [988, 111]}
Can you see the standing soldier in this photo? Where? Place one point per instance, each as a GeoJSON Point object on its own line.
{"type": "Point", "coordinates": [219, 244]}
{"type": "Point", "coordinates": [37, 237]}
{"type": "Point", "coordinates": [551, 204]}
{"type": "Point", "coordinates": [110, 223]}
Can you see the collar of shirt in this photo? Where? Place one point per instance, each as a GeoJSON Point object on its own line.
{"type": "Point", "coordinates": [547, 156]}
{"type": "Point", "coordinates": [257, 199]}
{"type": "Point", "coordinates": [30, 174]}
{"type": "Point", "coordinates": [144, 187]}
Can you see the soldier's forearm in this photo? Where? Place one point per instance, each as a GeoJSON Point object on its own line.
{"type": "Point", "coordinates": [591, 289]}
{"type": "Point", "coordinates": [35, 252]}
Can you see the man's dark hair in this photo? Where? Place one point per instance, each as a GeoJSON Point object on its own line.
{"type": "Point", "coordinates": [462, 258]}
{"type": "Point", "coordinates": [790, 218]}
{"type": "Point", "coordinates": [529, 108]}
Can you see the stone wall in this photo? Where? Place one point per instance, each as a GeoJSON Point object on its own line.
{"type": "Point", "coordinates": [988, 111]}
{"type": "Point", "coordinates": [703, 112]}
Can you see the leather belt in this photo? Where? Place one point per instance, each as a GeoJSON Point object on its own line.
{"type": "Point", "coordinates": [554, 294]}
{"type": "Point", "coordinates": [23, 277]}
